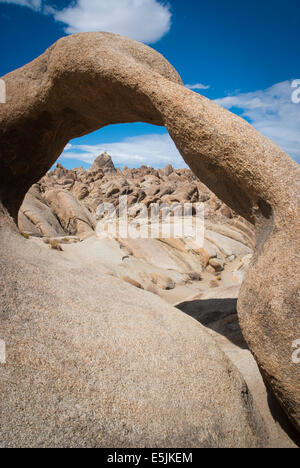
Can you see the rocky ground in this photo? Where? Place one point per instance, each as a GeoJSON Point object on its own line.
{"type": "Point", "coordinates": [202, 280]}
{"type": "Point", "coordinates": [61, 211]}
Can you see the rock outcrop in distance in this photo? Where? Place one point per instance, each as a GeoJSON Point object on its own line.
{"type": "Point", "coordinates": [74, 392]}
{"type": "Point", "coordinates": [90, 188]}
{"type": "Point", "coordinates": [70, 199]}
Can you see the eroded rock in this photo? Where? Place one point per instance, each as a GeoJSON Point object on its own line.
{"type": "Point", "coordinates": [48, 104]}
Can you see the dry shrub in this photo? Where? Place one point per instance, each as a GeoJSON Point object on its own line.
{"type": "Point", "coordinates": [54, 244]}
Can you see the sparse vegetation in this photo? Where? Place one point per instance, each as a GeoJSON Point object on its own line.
{"type": "Point", "coordinates": [24, 234]}
{"type": "Point", "coordinates": [54, 244]}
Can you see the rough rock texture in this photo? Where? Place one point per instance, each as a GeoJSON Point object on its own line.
{"type": "Point", "coordinates": [144, 185]}
{"type": "Point", "coordinates": [73, 217]}
{"type": "Point", "coordinates": [216, 309]}
{"type": "Point", "coordinates": [104, 163]}
{"type": "Point", "coordinates": [95, 362]}
{"type": "Point", "coordinates": [90, 80]}
{"type": "Point", "coordinates": [36, 217]}
{"type": "Point", "coordinates": [182, 264]}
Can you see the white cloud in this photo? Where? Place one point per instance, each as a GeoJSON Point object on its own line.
{"type": "Point", "coordinates": [197, 86]}
{"type": "Point", "coordinates": [142, 20]}
{"type": "Point", "coordinates": [272, 112]}
{"type": "Point", "coordinates": [152, 150]}
{"type": "Point", "coordinates": [34, 4]}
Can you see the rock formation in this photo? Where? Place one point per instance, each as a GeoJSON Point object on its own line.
{"type": "Point", "coordinates": [143, 186]}
{"type": "Point", "coordinates": [103, 162]}
{"type": "Point", "coordinates": [191, 395]}
{"type": "Point", "coordinates": [178, 264]}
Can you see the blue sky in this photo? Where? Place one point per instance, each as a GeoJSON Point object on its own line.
{"type": "Point", "coordinates": [244, 54]}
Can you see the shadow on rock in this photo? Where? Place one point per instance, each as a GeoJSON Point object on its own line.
{"type": "Point", "coordinates": [219, 315]}
{"type": "Point", "coordinates": [281, 418]}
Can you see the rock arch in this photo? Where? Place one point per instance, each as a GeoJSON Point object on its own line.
{"type": "Point", "coordinates": [87, 81]}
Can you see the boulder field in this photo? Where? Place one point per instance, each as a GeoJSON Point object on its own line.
{"type": "Point", "coordinates": [61, 209]}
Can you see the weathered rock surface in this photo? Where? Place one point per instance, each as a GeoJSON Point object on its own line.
{"type": "Point", "coordinates": [113, 367]}
{"type": "Point", "coordinates": [216, 309]}
{"type": "Point", "coordinates": [48, 103]}
{"type": "Point", "coordinates": [143, 185]}
{"type": "Point", "coordinates": [103, 162]}
{"type": "Point", "coordinates": [73, 217]}
{"type": "Point", "coordinates": [36, 217]}
{"type": "Point", "coordinates": [74, 205]}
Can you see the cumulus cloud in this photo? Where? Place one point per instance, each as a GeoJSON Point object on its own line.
{"type": "Point", "coordinates": [272, 112]}
{"type": "Point", "coordinates": [152, 150]}
{"type": "Point", "coordinates": [197, 86]}
{"type": "Point", "coordinates": [33, 4]}
{"type": "Point", "coordinates": [143, 20]}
